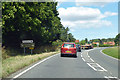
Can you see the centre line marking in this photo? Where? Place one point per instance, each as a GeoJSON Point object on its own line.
{"type": "Point", "coordinates": [90, 64]}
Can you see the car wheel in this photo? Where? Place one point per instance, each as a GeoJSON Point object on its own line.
{"type": "Point", "coordinates": [75, 56]}
{"type": "Point", "coordinates": [61, 55]}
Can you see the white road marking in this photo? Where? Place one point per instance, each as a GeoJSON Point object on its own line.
{"type": "Point", "coordinates": [111, 77]}
{"type": "Point", "coordinates": [89, 56]}
{"type": "Point", "coordinates": [95, 65]}
{"type": "Point", "coordinates": [83, 59]}
{"type": "Point", "coordinates": [92, 60]}
{"type": "Point", "coordinates": [81, 55]}
{"type": "Point", "coordinates": [108, 56]}
{"type": "Point", "coordinates": [92, 67]}
{"type": "Point", "coordinates": [101, 67]}
{"type": "Point", "coordinates": [33, 66]}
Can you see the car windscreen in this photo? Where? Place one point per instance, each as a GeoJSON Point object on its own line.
{"type": "Point", "coordinates": [68, 45]}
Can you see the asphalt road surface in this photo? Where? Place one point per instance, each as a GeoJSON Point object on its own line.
{"type": "Point", "coordinates": [89, 64]}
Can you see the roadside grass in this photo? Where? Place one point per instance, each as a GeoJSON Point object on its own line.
{"type": "Point", "coordinates": [0, 62]}
{"type": "Point", "coordinates": [13, 64]}
{"type": "Point", "coordinates": [112, 52]}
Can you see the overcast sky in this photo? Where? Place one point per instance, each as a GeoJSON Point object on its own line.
{"type": "Point", "coordinates": [89, 19]}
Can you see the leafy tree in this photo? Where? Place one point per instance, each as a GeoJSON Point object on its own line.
{"type": "Point", "coordinates": [117, 39]}
{"type": "Point", "coordinates": [82, 42]}
{"type": "Point", "coordinates": [86, 40]}
{"type": "Point", "coordinates": [95, 40]}
{"type": "Point", "coordinates": [38, 21]}
{"type": "Point", "coordinates": [71, 38]}
{"type": "Point", "coordinates": [100, 41]}
{"type": "Point", "coordinates": [65, 36]}
{"type": "Point", "coordinates": [30, 20]}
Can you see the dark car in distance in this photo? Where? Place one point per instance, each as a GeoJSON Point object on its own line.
{"type": "Point", "coordinates": [78, 48]}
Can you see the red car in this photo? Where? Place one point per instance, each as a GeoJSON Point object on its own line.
{"type": "Point", "coordinates": [68, 49]}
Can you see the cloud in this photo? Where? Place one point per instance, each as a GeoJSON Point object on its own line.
{"type": "Point", "coordinates": [110, 14]}
{"type": "Point", "coordinates": [84, 17]}
{"type": "Point", "coordinates": [79, 13]}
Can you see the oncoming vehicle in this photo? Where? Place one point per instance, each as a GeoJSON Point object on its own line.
{"type": "Point", "coordinates": [68, 49]}
{"type": "Point", "coordinates": [78, 47]}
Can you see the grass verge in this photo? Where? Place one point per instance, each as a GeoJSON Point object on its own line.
{"type": "Point", "coordinates": [112, 52]}
{"type": "Point", "coordinates": [13, 64]}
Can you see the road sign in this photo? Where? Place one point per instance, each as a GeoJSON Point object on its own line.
{"type": "Point", "coordinates": [31, 48]}
{"type": "Point", "coordinates": [27, 41]}
{"type": "Point", "coordinates": [27, 44]}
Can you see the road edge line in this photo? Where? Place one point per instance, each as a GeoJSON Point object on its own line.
{"type": "Point", "coordinates": [41, 61]}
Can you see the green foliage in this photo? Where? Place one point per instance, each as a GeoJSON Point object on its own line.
{"type": "Point", "coordinates": [94, 45]}
{"type": "Point", "coordinates": [95, 40]}
{"type": "Point", "coordinates": [102, 40]}
{"type": "Point", "coordinates": [82, 42]}
{"type": "Point", "coordinates": [57, 43]}
{"type": "Point", "coordinates": [71, 38]}
{"type": "Point", "coordinates": [32, 20]}
{"type": "Point", "coordinates": [37, 21]}
{"type": "Point", "coordinates": [86, 40]}
{"type": "Point", "coordinates": [117, 39]}
{"type": "Point", "coordinates": [65, 36]}
{"type": "Point", "coordinates": [105, 45]}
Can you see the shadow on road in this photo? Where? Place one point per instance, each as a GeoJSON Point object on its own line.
{"type": "Point", "coordinates": [69, 56]}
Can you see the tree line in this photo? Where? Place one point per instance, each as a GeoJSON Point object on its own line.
{"type": "Point", "coordinates": [116, 40]}
{"type": "Point", "coordinates": [37, 21]}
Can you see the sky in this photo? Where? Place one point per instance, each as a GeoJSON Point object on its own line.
{"type": "Point", "coordinates": [91, 20]}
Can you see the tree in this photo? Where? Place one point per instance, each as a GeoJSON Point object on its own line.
{"type": "Point", "coordinates": [86, 40]}
{"type": "Point", "coordinates": [71, 38]}
{"type": "Point", "coordinates": [117, 39]}
{"type": "Point", "coordinates": [100, 41]}
{"type": "Point", "coordinates": [38, 21]}
{"type": "Point", "coordinates": [65, 36]}
{"type": "Point", "coordinates": [82, 42]}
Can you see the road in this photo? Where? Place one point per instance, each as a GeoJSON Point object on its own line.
{"type": "Point", "coordinates": [89, 64]}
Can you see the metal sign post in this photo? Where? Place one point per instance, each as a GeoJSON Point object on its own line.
{"type": "Point", "coordinates": [24, 50]}
{"type": "Point", "coordinates": [31, 51]}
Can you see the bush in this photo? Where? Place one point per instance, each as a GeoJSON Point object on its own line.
{"type": "Point", "coordinates": [105, 45]}
{"type": "Point", "coordinates": [46, 48]}
{"type": "Point", "coordinates": [8, 52]}
{"type": "Point", "coordinates": [57, 43]}
{"type": "Point", "coordinates": [94, 45]}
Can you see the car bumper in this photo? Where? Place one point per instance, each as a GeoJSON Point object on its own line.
{"type": "Point", "coordinates": [69, 54]}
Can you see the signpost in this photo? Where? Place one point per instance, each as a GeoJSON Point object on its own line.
{"type": "Point", "coordinates": [28, 44]}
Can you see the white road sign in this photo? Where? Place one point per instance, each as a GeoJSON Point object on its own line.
{"type": "Point", "coordinates": [27, 41]}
